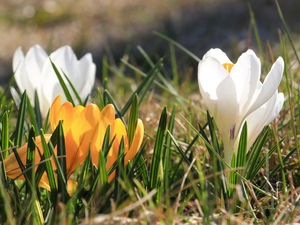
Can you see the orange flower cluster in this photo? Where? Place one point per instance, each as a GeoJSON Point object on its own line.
{"type": "Point", "coordinates": [83, 127]}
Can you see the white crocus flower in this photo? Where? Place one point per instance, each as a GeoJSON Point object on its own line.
{"type": "Point", "coordinates": [260, 118]}
{"type": "Point", "coordinates": [34, 72]}
{"type": "Point", "coordinates": [233, 91]}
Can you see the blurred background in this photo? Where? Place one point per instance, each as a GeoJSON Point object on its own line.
{"type": "Point", "coordinates": [116, 27]}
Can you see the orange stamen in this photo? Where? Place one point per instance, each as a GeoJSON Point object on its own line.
{"type": "Point", "coordinates": [228, 66]}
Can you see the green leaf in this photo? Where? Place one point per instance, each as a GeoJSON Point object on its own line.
{"type": "Point", "coordinates": [166, 156]}
{"type": "Point", "coordinates": [20, 121]}
{"type": "Point", "coordinates": [61, 151]}
{"type": "Point", "coordinates": [86, 100]}
{"type": "Point", "coordinates": [261, 51]}
{"type": "Point", "coordinates": [153, 72]}
{"type": "Point", "coordinates": [161, 77]}
{"type": "Point", "coordinates": [15, 96]}
{"type": "Point", "coordinates": [45, 127]}
{"type": "Point", "coordinates": [30, 160]}
{"type": "Point", "coordinates": [73, 88]}
{"type": "Point", "coordinates": [101, 103]}
{"type": "Point", "coordinates": [49, 170]}
{"type": "Point", "coordinates": [179, 149]}
{"type": "Point", "coordinates": [239, 159]}
{"type": "Point", "coordinates": [136, 164]}
{"type": "Point", "coordinates": [63, 85]}
{"type": "Point", "coordinates": [259, 164]}
{"type": "Point", "coordinates": [217, 164]}
{"type": "Point", "coordinates": [221, 159]}
{"type": "Point", "coordinates": [242, 151]}
{"type": "Point", "coordinates": [111, 101]}
{"type": "Point", "coordinates": [150, 82]}
{"type": "Point", "coordinates": [119, 170]}
{"type": "Point", "coordinates": [37, 111]}
{"type": "Point", "coordinates": [133, 120]}
{"type": "Point", "coordinates": [31, 114]}
{"type": "Point", "coordinates": [178, 46]}
{"type": "Point", "coordinates": [87, 164]}
{"type": "Point", "coordinates": [5, 134]}
{"type": "Point", "coordinates": [157, 152]}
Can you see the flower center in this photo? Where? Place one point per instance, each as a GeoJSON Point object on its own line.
{"type": "Point", "coordinates": [228, 66]}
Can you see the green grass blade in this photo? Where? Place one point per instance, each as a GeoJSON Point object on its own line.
{"type": "Point", "coordinates": [179, 149]}
{"type": "Point", "coordinates": [158, 147]}
{"type": "Point", "coordinates": [30, 158]}
{"type": "Point", "coordinates": [119, 170]}
{"type": "Point", "coordinates": [189, 53]}
{"type": "Point", "coordinates": [154, 81]}
{"type": "Point", "coordinates": [174, 65]}
{"type": "Point", "coordinates": [111, 101]}
{"type": "Point", "coordinates": [83, 179]}
{"type": "Point", "coordinates": [280, 160]}
{"type": "Point", "coordinates": [73, 89]}
{"type": "Point", "coordinates": [16, 97]}
{"type": "Point", "coordinates": [37, 111]}
{"type": "Point", "coordinates": [63, 84]}
{"type": "Point", "coordinates": [32, 116]}
{"type": "Point", "coordinates": [290, 90]}
{"type": "Point", "coordinates": [222, 160]}
{"type": "Point", "coordinates": [45, 127]}
{"type": "Point", "coordinates": [5, 134]}
{"type": "Point", "coordinates": [242, 150]}
{"type": "Point", "coordinates": [61, 151]}
{"type": "Point", "coordinates": [261, 162]}
{"type": "Point", "coordinates": [49, 170]}
{"type": "Point", "coordinates": [287, 31]}
{"type": "Point", "coordinates": [133, 119]}
{"type": "Point", "coordinates": [101, 103]}
{"type": "Point", "coordinates": [20, 121]}
{"type": "Point", "coordinates": [167, 154]}
{"type": "Point", "coordinates": [256, 35]}
{"type": "Point", "coordinates": [153, 72]}
{"type": "Point", "coordinates": [278, 167]}
{"type": "Point", "coordinates": [239, 159]}
{"type": "Point", "coordinates": [136, 162]}
{"type": "Point", "coordinates": [86, 100]}
{"type": "Point", "coordinates": [255, 152]}
{"type": "Point", "coordinates": [216, 162]}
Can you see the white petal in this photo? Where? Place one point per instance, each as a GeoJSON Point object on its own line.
{"type": "Point", "coordinates": [227, 116]}
{"type": "Point", "coordinates": [34, 61]}
{"type": "Point", "coordinates": [270, 84]}
{"type": "Point", "coordinates": [87, 74]}
{"type": "Point", "coordinates": [66, 61]}
{"type": "Point", "coordinates": [210, 75]}
{"type": "Point", "coordinates": [21, 75]}
{"type": "Point", "coordinates": [217, 54]}
{"type": "Point", "coordinates": [18, 59]}
{"type": "Point", "coordinates": [277, 109]}
{"type": "Point", "coordinates": [245, 74]}
{"type": "Point", "coordinates": [259, 118]}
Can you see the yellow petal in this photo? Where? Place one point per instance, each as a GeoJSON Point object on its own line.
{"type": "Point", "coordinates": [136, 142]}
{"type": "Point", "coordinates": [119, 131]}
{"type": "Point", "coordinates": [107, 116]}
{"type": "Point", "coordinates": [11, 164]}
{"type": "Point", "coordinates": [84, 130]}
{"type": "Point", "coordinates": [44, 183]}
{"type": "Point", "coordinates": [54, 112]}
{"type": "Point", "coordinates": [135, 146]}
{"type": "Point", "coordinates": [66, 114]}
{"type": "Point", "coordinates": [111, 158]}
